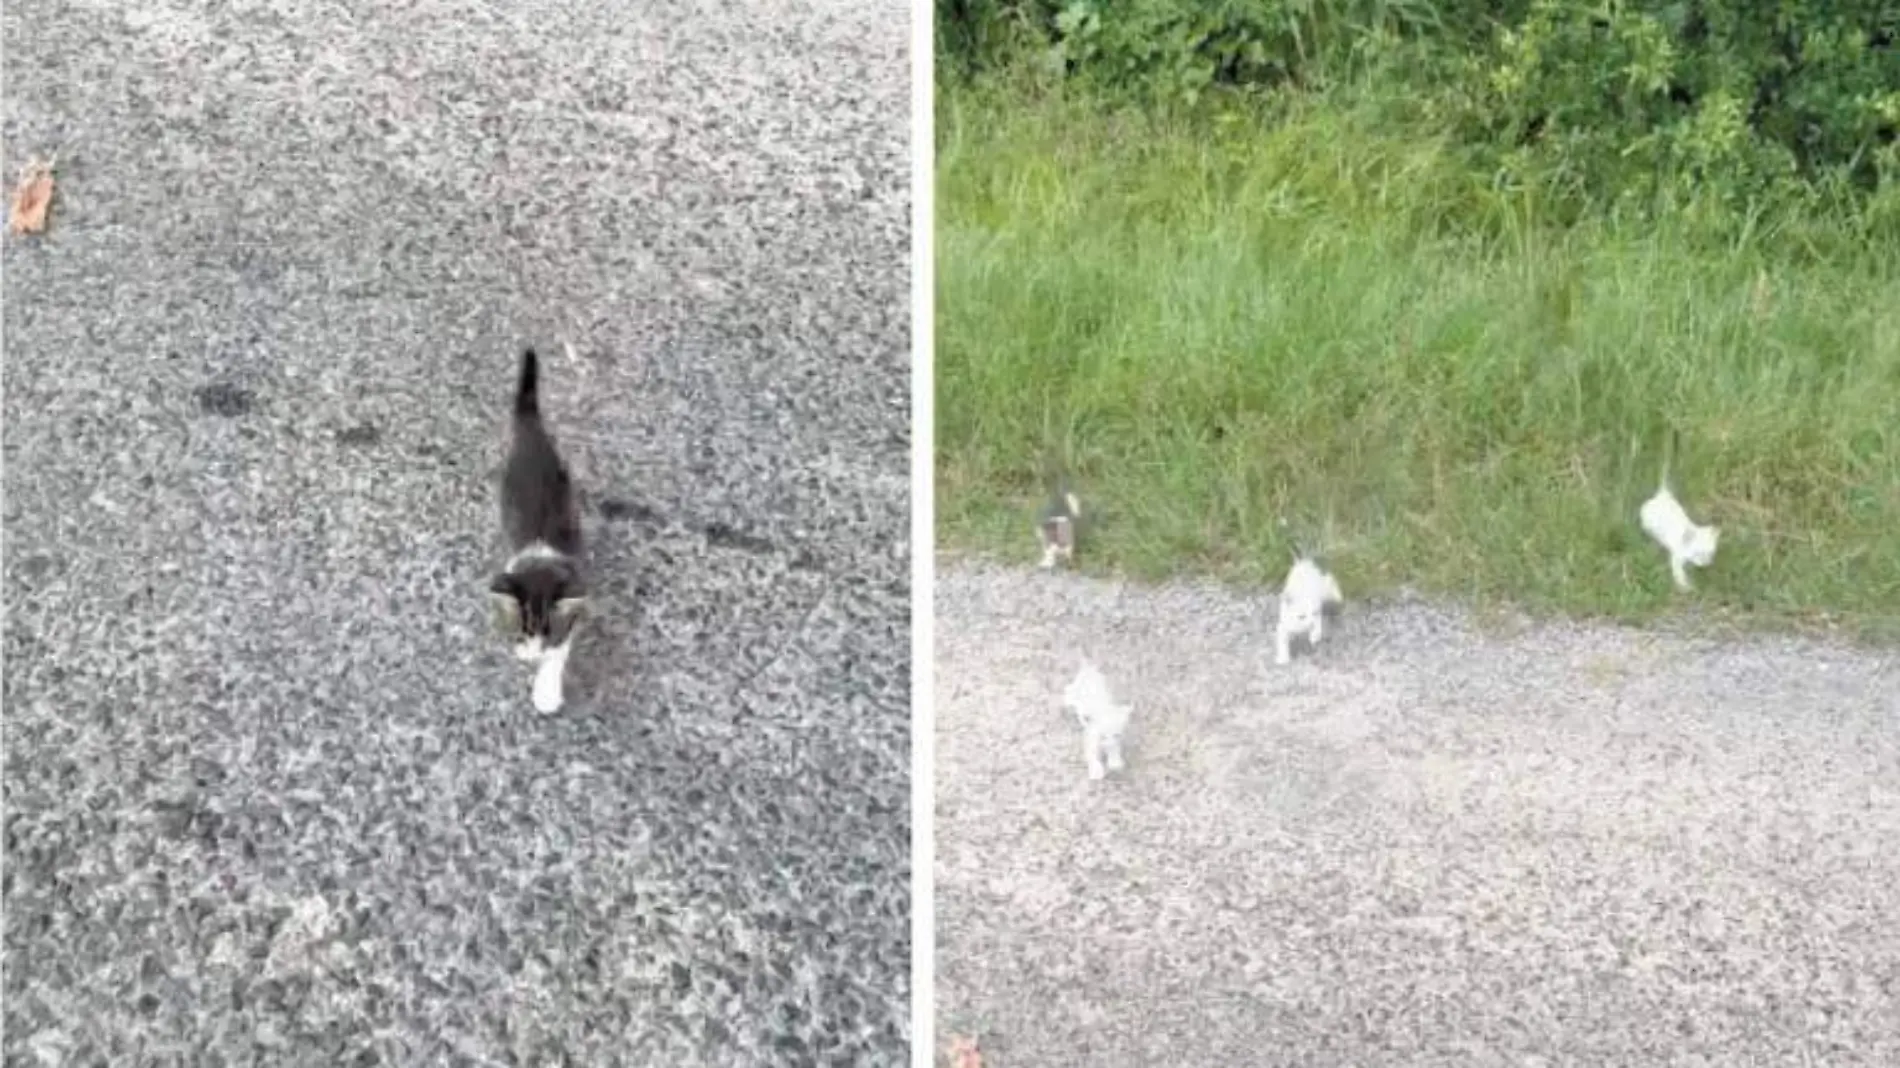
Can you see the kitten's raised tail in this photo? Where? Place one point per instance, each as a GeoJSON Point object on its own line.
{"type": "Point", "coordinates": [1670, 448]}
{"type": "Point", "coordinates": [1302, 550]}
{"type": "Point", "coordinates": [527, 392]}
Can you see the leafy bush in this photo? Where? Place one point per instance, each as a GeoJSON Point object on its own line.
{"type": "Point", "coordinates": [1742, 99]}
{"type": "Point", "coordinates": [1172, 51]}
{"type": "Point", "coordinates": [1643, 103]}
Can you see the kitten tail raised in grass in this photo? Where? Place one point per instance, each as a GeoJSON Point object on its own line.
{"type": "Point", "coordinates": [540, 597]}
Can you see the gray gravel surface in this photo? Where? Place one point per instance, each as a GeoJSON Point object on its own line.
{"type": "Point", "coordinates": [1428, 843]}
{"type": "Point", "coordinates": [274, 794]}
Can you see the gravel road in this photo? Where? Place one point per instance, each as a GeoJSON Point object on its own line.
{"type": "Point", "coordinates": [1429, 843]}
{"type": "Point", "coordinates": [274, 794]}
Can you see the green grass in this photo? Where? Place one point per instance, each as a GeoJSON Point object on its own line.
{"type": "Point", "coordinates": [1219, 322]}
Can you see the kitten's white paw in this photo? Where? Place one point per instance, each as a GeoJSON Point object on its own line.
{"type": "Point", "coordinates": [547, 698]}
{"type": "Point", "coordinates": [1115, 762]}
{"type": "Point", "coordinates": [1096, 771]}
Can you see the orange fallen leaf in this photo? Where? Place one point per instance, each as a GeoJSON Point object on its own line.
{"type": "Point", "coordinates": [31, 198]}
{"type": "Point", "coordinates": [964, 1054]}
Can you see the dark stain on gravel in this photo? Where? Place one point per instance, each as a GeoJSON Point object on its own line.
{"type": "Point", "coordinates": [224, 399]}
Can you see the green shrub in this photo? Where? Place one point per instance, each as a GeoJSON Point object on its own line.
{"type": "Point", "coordinates": [1173, 51]}
{"type": "Point", "coordinates": [1644, 105]}
{"type": "Point", "coordinates": [1747, 102]}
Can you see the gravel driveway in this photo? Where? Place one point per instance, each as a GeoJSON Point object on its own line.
{"type": "Point", "coordinates": [1427, 844]}
{"type": "Point", "coordinates": [274, 794]}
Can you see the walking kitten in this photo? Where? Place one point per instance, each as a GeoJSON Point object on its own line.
{"type": "Point", "coordinates": [1303, 601]}
{"type": "Point", "coordinates": [540, 596]}
{"type": "Point", "coordinates": [1668, 524]}
{"type": "Point", "coordinates": [1103, 721]}
{"type": "Point", "coordinates": [1056, 527]}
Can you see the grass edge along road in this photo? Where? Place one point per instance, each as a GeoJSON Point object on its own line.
{"type": "Point", "coordinates": [1220, 322]}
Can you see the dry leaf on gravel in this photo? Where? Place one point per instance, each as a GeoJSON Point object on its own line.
{"type": "Point", "coordinates": [31, 198]}
{"type": "Point", "coordinates": [964, 1054]}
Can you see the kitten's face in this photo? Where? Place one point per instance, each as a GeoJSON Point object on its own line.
{"type": "Point", "coordinates": [1699, 547]}
{"type": "Point", "coordinates": [538, 607]}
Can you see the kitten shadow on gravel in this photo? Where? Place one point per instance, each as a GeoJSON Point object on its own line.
{"type": "Point", "coordinates": [618, 511]}
{"type": "Point", "coordinates": [636, 553]}
{"type": "Point", "coordinates": [611, 669]}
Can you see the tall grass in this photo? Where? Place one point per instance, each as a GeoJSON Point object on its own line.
{"type": "Point", "coordinates": [1319, 315]}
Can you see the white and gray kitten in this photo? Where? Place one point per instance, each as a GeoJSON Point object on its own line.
{"type": "Point", "coordinates": [1103, 721]}
{"type": "Point", "coordinates": [1055, 528]}
{"type": "Point", "coordinates": [540, 597]}
{"type": "Point", "coordinates": [1309, 590]}
{"type": "Point", "coordinates": [1668, 524]}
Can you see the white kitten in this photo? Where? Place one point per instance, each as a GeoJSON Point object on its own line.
{"type": "Point", "coordinates": [1303, 601]}
{"type": "Point", "coordinates": [1664, 520]}
{"type": "Point", "coordinates": [1103, 721]}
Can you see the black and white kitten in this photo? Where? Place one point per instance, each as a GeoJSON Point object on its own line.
{"type": "Point", "coordinates": [540, 597]}
{"type": "Point", "coordinates": [1055, 527]}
